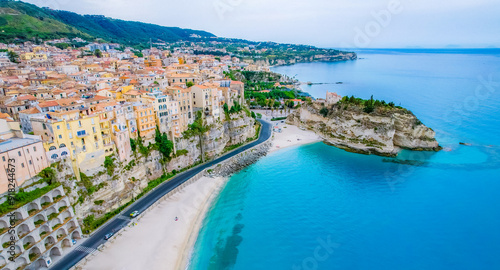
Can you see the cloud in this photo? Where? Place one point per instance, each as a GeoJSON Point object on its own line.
{"type": "Point", "coordinates": [331, 23]}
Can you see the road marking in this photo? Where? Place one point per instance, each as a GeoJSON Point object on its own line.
{"type": "Point", "coordinates": [123, 217]}
{"type": "Point", "coordinates": [85, 249]}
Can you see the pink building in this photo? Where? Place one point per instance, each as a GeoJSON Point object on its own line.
{"type": "Point", "coordinates": [24, 151]}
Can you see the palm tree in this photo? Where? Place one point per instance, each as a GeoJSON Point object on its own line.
{"type": "Point", "coordinates": [199, 129]}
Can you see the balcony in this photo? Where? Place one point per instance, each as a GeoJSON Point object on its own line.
{"type": "Point", "coordinates": [81, 134]}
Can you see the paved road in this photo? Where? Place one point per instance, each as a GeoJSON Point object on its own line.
{"type": "Point", "coordinates": [146, 201]}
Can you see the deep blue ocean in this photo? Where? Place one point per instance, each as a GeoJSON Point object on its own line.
{"type": "Point", "coordinates": [318, 207]}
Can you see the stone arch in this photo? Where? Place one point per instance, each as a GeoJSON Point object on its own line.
{"type": "Point", "coordinates": [76, 235]}
{"type": "Point", "coordinates": [3, 260]}
{"type": "Point", "coordinates": [51, 210]}
{"type": "Point", "coordinates": [52, 148]}
{"type": "Point", "coordinates": [44, 230]}
{"type": "Point", "coordinates": [3, 225]}
{"type": "Point", "coordinates": [44, 200]}
{"type": "Point", "coordinates": [39, 219]}
{"type": "Point", "coordinates": [62, 145]}
{"type": "Point", "coordinates": [66, 243]}
{"type": "Point", "coordinates": [28, 241]}
{"type": "Point", "coordinates": [22, 230]}
{"type": "Point", "coordinates": [55, 221]}
{"type": "Point", "coordinates": [56, 193]}
{"type": "Point", "coordinates": [61, 232]}
{"type": "Point", "coordinates": [71, 224]}
{"type": "Point", "coordinates": [55, 252]}
{"type": "Point", "coordinates": [33, 207]}
{"type": "Point", "coordinates": [40, 263]}
{"type": "Point", "coordinates": [62, 203]}
{"type": "Point", "coordinates": [34, 253]}
{"type": "Point", "coordinates": [18, 216]}
{"type": "Point", "coordinates": [6, 238]}
{"type": "Point", "coordinates": [21, 261]}
{"type": "Point", "coordinates": [66, 214]}
{"type": "Point", "coordinates": [49, 241]}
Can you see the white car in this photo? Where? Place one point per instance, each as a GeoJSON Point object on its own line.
{"type": "Point", "coordinates": [134, 214]}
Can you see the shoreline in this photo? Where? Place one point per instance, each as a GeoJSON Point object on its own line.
{"type": "Point", "coordinates": [172, 244]}
{"type": "Point", "coordinates": [188, 247]}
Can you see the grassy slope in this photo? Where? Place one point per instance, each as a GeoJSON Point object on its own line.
{"type": "Point", "coordinates": [44, 23]}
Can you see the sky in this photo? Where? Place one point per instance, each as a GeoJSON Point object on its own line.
{"type": "Point", "coordinates": [323, 23]}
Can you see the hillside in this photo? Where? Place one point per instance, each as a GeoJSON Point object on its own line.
{"type": "Point", "coordinates": [26, 21]}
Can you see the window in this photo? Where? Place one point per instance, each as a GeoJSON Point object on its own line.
{"type": "Point", "coordinates": [93, 129]}
{"type": "Point", "coordinates": [19, 153]}
{"type": "Point", "coordinates": [22, 165]}
{"type": "Point", "coordinates": [3, 158]}
{"type": "Point", "coordinates": [80, 133]}
{"type": "Point", "coordinates": [71, 135]}
{"type": "Point", "coordinates": [54, 156]}
{"type": "Point", "coordinates": [27, 150]}
{"type": "Point", "coordinates": [64, 153]}
{"type": "Point", "coordinates": [60, 136]}
{"type": "Point", "coordinates": [58, 127]}
{"type": "Point", "coordinates": [92, 121]}
{"type": "Point", "coordinates": [79, 123]}
{"type": "Point", "coordinates": [30, 162]}
{"type": "Point", "coordinates": [67, 126]}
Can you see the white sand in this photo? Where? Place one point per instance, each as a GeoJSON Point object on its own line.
{"type": "Point", "coordinates": [292, 135]}
{"type": "Point", "coordinates": [158, 241]}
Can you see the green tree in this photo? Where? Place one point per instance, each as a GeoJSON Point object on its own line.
{"type": "Point", "coordinates": [13, 57]}
{"type": "Point", "coordinates": [133, 145]}
{"type": "Point", "coordinates": [189, 84]}
{"type": "Point", "coordinates": [324, 111]}
{"type": "Point", "coordinates": [253, 115]}
{"type": "Point", "coordinates": [199, 128]}
{"type": "Point", "coordinates": [98, 53]}
{"type": "Point", "coordinates": [108, 164]}
{"type": "Point", "coordinates": [48, 175]}
{"type": "Point", "coordinates": [164, 145]}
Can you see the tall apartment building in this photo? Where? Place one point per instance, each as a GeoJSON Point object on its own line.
{"type": "Point", "coordinates": [75, 135]}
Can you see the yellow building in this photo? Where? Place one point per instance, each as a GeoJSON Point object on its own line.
{"type": "Point", "coordinates": [146, 120]}
{"type": "Point", "coordinates": [75, 135]}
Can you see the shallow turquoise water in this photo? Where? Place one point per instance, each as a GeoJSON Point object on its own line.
{"type": "Point", "coordinates": [442, 212]}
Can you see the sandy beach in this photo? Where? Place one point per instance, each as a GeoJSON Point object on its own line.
{"type": "Point", "coordinates": [290, 136]}
{"type": "Point", "coordinates": [158, 241]}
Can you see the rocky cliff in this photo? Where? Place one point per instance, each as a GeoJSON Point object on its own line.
{"type": "Point", "coordinates": [384, 131]}
{"type": "Point", "coordinates": [130, 178]}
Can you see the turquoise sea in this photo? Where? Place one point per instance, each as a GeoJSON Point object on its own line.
{"type": "Point", "coordinates": [318, 207]}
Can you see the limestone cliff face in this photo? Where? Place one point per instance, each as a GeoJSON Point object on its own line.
{"type": "Point", "coordinates": [382, 132]}
{"type": "Point", "coordinates": [129, 179]}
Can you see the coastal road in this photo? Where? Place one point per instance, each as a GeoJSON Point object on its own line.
{"type": "Point", "coordinates": [123, 219]}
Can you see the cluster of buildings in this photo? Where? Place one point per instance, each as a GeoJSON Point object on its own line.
{"type": "Point", "coordinates": [72, 104]}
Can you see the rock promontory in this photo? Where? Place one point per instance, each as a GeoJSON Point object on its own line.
{"type": "Point", "coordinates": [365, 126]}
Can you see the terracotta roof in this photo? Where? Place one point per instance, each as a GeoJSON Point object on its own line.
{"type": "Point", "coordinates": [50, 103]}
{"type": "Point", "coordinates": [26, 97]}
{"type": "Point", "coordinates": [30, 111]}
